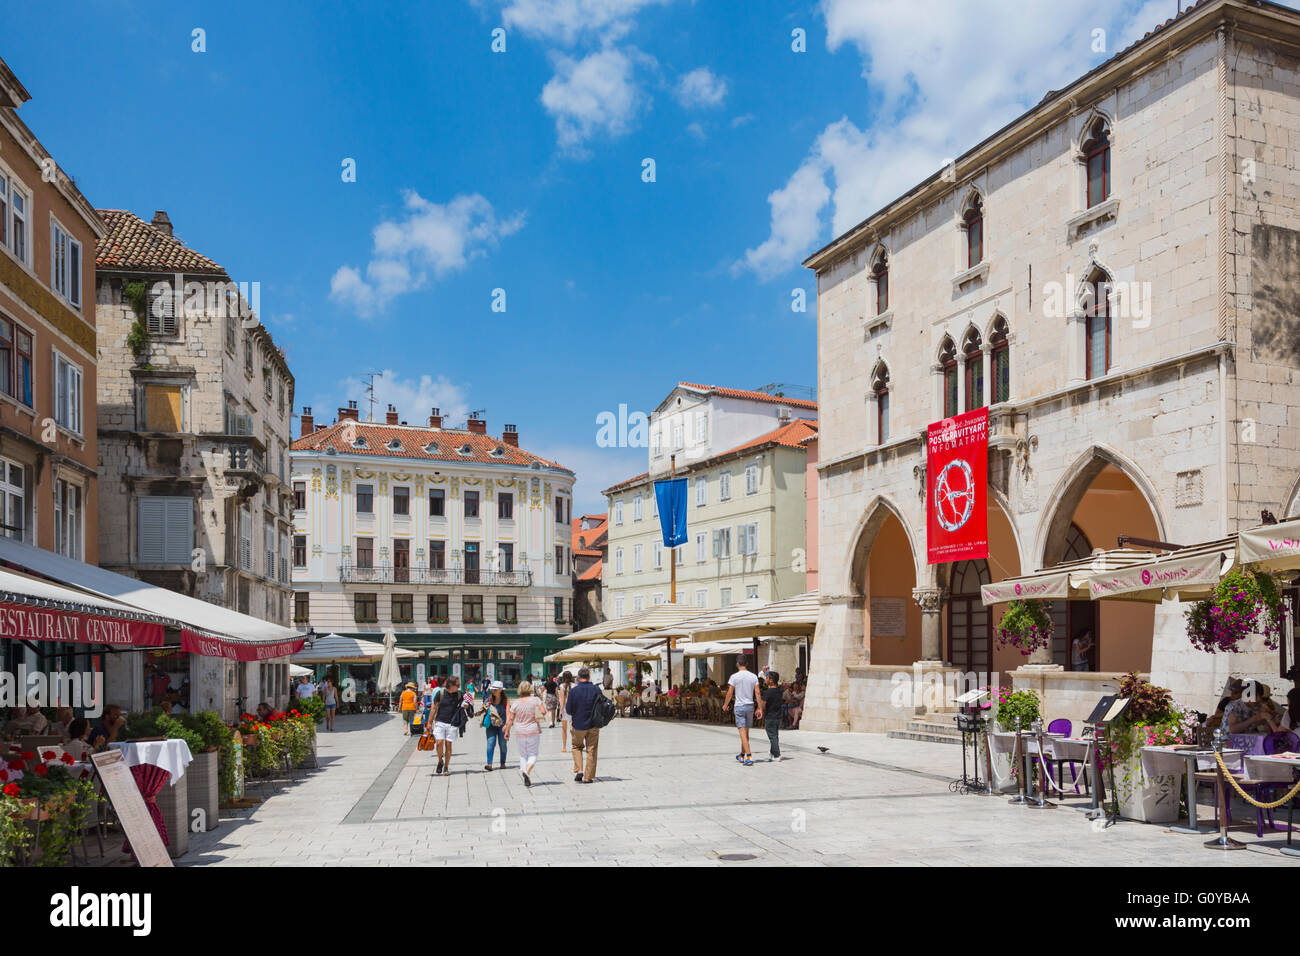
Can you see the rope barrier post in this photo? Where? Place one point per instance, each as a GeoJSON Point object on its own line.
{"type": "Point", "coordinates": [1224, 798]}
{"type": "Point", "coordinates": [1042, 803]}
{"type": "Point", "coordinates": [1019, 762]}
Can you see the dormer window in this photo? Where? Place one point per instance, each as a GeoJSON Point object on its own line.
{"type": "Point", "coordinates": [465, 449]}
{"type": "Point", "coordinates": [360, 442]}
{"type": "Point", "coordinates": [394, 445]}
{"type": "Point", "coordinates": [499, 452]}
{"type": "Point", "coordinates": [431, 448]}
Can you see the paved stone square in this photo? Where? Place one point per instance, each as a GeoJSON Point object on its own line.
{"type": "Point", "coordinates": [671, 793]}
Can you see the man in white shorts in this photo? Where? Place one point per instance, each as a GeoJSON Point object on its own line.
{"type": "Point", "coordinates": [447, 700]}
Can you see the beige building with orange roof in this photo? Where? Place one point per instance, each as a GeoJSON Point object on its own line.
{"type": "Point", "coordinates": [745, 461]}
{"type": "Point", "coordinates": [457, 540]}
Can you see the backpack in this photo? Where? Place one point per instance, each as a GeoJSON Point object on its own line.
{"type": "Point", "coordinates": [602, 711]}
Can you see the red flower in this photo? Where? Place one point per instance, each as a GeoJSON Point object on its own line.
{"type": "Point", "coordinates": [28, 755]}
{"type": "Point", "coordinates": [11, 790]}
{"type": "Point", "coordinates": [16, 765]}
{"type": "Point", "coordinates": [47, 755]}
{"type": "Point", "coordinates": [4, 775]}
{"type": "Point", "coordinates": [67, 758]}
{"type": "Point", "coordinates": [40, 769]}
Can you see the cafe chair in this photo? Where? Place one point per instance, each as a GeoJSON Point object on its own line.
{"type": "Point", "coordinates": [1064, 727]}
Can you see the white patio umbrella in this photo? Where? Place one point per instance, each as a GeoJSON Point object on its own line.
{"type": "Point", "coordinates": [296, 670]}
{"type": "Point", "coordinates": [603, 651]}
{"type": "Point", "coordinates": [337, 649]}
{"type": "Point", "coordinates": [389, 675]}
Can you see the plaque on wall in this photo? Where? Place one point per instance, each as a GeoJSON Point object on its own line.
{"type": "Point", "coordinates": [888, 617]}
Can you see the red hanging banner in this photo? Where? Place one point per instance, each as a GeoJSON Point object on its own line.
{"type": "Point", "coordinates": [956, 476]}
{"type": "Point", "coordinates": [206, 646]}
{"type": "Point", "coordinates": [20, 622]}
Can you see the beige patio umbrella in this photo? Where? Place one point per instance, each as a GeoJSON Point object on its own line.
{"type": "Point", "coordinates": [1272, 547]}
{"type": "Point", "coordinates": [390, 676]}
{"type": "Point", "coordinates": [702, 619]}
{"type": "Point", "coordinates": [791, 618]}
{"type": "Point", "coordinates": [337, 649]}
{"type": "Point", "coordinates": [603, 650]}
{"type": "Point", "coordinates": [635, 625]}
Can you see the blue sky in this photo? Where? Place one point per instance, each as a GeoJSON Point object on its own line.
{"type": "Point", "coordinates": [522, 171]}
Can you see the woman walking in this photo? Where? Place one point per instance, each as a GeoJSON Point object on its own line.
{"type": "Point", "coordinates": [330, 694]}
{"type": "Point", "coordinates": [494, 722]}
{"type": "Point", "coordinates": [566, 721]}
{"type": "Point", "coordinates": [552, 700]}
{"type": "Point", "coordinates": [449, 717]}
{"type": "Point", "coordinates": [524, 721]}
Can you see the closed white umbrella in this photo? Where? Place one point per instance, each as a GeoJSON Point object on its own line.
{"type": "Point", "coordinates": [389, 675]}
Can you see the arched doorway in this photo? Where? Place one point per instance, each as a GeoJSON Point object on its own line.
{"type": "Point", "coordinates": [970, 623]}
{"type": "Point", "coordinates": [884, 572]}
{"type": "Point", "coordinates": [1073, 618]}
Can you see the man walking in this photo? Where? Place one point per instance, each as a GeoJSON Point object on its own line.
{"type": "Point", "coordinates": [770, 711]}
{"type": "Point", "coordinates": [743, 686]}
{"type": "Point", "coordinates": [585, 737]}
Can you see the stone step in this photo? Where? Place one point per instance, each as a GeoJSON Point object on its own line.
{"type": "Point", "coordinates": [933, 726]}
{"type": "Point", "coordinates": [927, 737]}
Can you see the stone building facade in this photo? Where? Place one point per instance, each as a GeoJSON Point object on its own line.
{"type": "Point", "coordinates": [458, 541]}
{"type": "Point", "coordinates": [195, 402]}
{"type": "Point", "coordinates": [1115, 275]}
{"type": "Point", "coordinates": [48, 361]}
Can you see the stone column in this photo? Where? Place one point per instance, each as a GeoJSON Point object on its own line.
{"type": "Point", "coordinates": [931, 602]}
{"type": "Point", "coordinates": [839, 641]}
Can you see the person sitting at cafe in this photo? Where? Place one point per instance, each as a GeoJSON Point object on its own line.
{"type": "Point", "coordinates": [77, 745]}
{"type": "Point", "coordinates": [794, 704]}
{"type": "Point", "coordinates": [266, 713]}
{"type": "Point", "coordinates": [1289, 721]}
{"type": "Point", "coordinates": [110, 725]}
{"type": "Point", "coordinates": [1248, 713]}
{"type": "Point", "coordinates": [26, 722]}
{"type": "Point", "coordinates": [59, 725]}
{"type": "Point", "coordinates": [1232, 691]}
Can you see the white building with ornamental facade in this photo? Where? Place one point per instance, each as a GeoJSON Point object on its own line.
{"type": "Point", "coordinates": [458, 541]}
{"type": "Point", "coordinates": [1116, 275]}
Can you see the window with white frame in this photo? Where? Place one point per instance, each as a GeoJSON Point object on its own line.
{"type": "Point", "coordinates": [67, 394]}
{"type": "Point", "coordinates": [161, 319]}
{"type": "Point", "coordinates": [724, 597]}
{"type": "Point", "coordinates": [68, 539]}
{"type": "Point", "coordinates": [15, 201]}
{"type": "Point", "coordinates": [751, 591]}
{"type": "Point", "coordinates": [65, 265]}
{"type": "Point", "coordinates": [679, 436]}
{"type": "Point", "coordinates": [658, 598]}
{"type": "Point", "coordinates": [618, 607]}
{"type": "Point", "coordinates": [701, 597]}
{"type": "Point", "coordinates": [702, 427]}
{"type": "Point", "coordinates": [618, 560]}
{"type": "Point", "coordinates": [659, 555]}
{"type": "Point", "coordinates": [722, 543]}
{"type": "Point", "coordinates": [636, 507]}
{"type": "Point", "coordinates": [681, 555]}
{"type": "Point", "coordinates": [747, 538]}
{"type": "Point", "coordinates": [751, 479]}
{"type": "Point", "coordinates": [166, 533]}
{"type": "Point", "coordinates": [701, 492]}
{"type": "Point", "coordinates": [13, 499]}
{"type": "Point", "coordinates": [636, 558]}
{"type": "Point", "coordinates": [701, 546]}
{"type": "Point", "coordinates": [638, 603]}
{"type": "Point", "coordinates": [618, 512]}
{"type": "Point", "coordinates": [724, 486]}
{"type": "Point", "coordinates": [657, 444]}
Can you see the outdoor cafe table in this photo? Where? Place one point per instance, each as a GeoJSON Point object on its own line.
{"type": "Point", "coordinates": [1282, 768]}
{"type": "Point", "coordinates": [1175, 760]}
{"type": "Point", "coordinates": [1004, 742]}
{"type": "Point", "coordinates": [155, 763]}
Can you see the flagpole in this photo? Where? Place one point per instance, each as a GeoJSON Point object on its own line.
{"type": "Point", "coordinates": [672, 571]}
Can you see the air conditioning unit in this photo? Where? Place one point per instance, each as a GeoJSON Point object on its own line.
{"type": "Point", "coordinates": [783, 413]}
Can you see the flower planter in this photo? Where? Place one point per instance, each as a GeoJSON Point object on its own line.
{"type": "Point", "coordinates": [1143, 798]}
{"type": "Point", "coordinates": [173, 802]}
{"type": "Point", "coordinates": [201, 781]}
{"type": "Point", "coordinates": [309, 761]}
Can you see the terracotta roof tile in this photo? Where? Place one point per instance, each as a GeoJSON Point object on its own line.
{"type": "Point", "coordinates": [587, 542]}
{"type": "Point", "coordinates": [593, 572]}
{"type": "Point", "coordinates": [752, 395]}
{"type": "Point", "coordinates": [416, 443]}
{"type": "Point", "coordinates": [133, 245]}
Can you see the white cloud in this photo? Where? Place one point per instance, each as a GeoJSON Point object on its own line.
{"type": "Point", "coordinates": [696, 130]}
{"type": "Point", "coordinates": [431, 239]}
{"type": "Point", "coordinates": [567, 21]}
{"type": "Point", "coordinates": [945, 81]}
{"type": "Point", "coordinates": [595, 95]}
{"type": "Point", "coordinates": [412, 397]}
{"type": "Point", "coordinates": [701, 89]}
{"type": "Point", "coordinates": [743, 120]}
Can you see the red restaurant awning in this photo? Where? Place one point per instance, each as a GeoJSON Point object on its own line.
{"type": "Point", "coordinates": [26, 623]}
{"type": "Point", "coordinates": [209, 645]}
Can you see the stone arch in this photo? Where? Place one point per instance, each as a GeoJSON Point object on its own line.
{"type": "Point", "coordinates": [1084, 126]}
{"type": "Point", "coordinates": [1291, 506]}
{"type": "Point", "coordinates": [1073, 485]}
{"type": "Point", "coordinates": [864, 536]}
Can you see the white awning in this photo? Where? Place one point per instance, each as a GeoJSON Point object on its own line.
{"type": "Point", "coordinates": [1273, 547]}
{"type": "Point", "coordinates": [1069, 579]}
{"type": "Point", "coordinates": [1186, 573]}
{"type": "Point", "coordinates": [221, 630]}
{"type": "Point", "coordinates": [634, 625]}
{"type": "Point", "coordinates": [602, 650]}
{"type": "Point", "coordinates": [338, 649]}
{"type": "Point", "coordinates": [687, 628]}
{"type": "Point", "coordinates": [793, 617]}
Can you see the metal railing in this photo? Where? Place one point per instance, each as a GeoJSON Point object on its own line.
{"type": "Point", "coordinates": [386, 574]}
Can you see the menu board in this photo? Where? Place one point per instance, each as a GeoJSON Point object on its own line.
{"type": "Point", "coordinates": [128, 803]}
{"type": "Point", "coordinates": [888, 617]}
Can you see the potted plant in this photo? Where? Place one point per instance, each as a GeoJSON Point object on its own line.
{"type": "Point", "coordinates": [1151, 719]}
{"type": "Point", "coordinates": [204, 776]}
{"type": "Point", "coordinates": [1244, 602]}
{"type": "Point", "coordinates": [1026, 625]}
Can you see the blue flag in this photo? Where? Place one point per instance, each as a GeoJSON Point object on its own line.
{"type": "Point", "coordinates": [671, 495]}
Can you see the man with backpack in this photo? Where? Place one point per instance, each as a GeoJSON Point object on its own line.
{"type": "Point", "coordinates": [589, 709]}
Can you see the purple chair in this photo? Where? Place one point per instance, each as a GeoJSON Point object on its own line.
{"type": "Point", "coordinates": [1064, 727]}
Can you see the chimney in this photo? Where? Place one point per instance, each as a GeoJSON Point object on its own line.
{"type": "Point", "coordinates": [161, 222]}
{"type": "Point", "coordinates": [308, 422]}
{"type": "Point", "coordinates": [349, 412]}
{"type": "Point", "coordinates": [477, 425]}
{"type": "Point", "coordinates": [392, 415]}
{"type": "Point", "coordinates": [435, 418]}
{"type": "Point", "coordinates": [511, 436]}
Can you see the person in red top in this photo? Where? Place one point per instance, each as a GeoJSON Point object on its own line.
{"type": "Point", "coordinates": [266, 713]}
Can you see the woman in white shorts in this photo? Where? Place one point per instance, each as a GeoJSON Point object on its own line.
{"type": "Point", "coordinates": [447, 700]}
{"type": "Point", "coordinates": [566, 720]}
{"type": "Point", "coordinates": [523, 720]}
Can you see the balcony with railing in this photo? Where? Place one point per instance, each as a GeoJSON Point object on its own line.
{"type": "Point", "coordinates": [447, 577]}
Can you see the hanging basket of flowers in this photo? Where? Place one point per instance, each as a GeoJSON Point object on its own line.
{"type": "Point", "coordinates": [1026, 625]}
{"type": "Point", "coordinates": [1245, 602]}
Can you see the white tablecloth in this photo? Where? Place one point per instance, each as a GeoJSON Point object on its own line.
{"type": "Point", "coordinates": [1071, 748]}
{"type": "Point", "coordinates": [172, 755]}
{"type": "Point", "coordinates": [1004, 742]}
{"type": "Point", "coordinates": [1168, 761]}
{"type": "Point", "coordinates": [1271, 768]}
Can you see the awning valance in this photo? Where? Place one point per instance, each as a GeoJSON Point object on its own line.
{"type": "Point", "coordinates": [1067, 580]}
{"type": "Point", "coordinates": [1187, 572]}
{"type": "Point", "coordinates": [1273, 547]}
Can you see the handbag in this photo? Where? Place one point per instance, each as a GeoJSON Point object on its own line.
{"type": "Point", "coordinates": [426, 739]}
